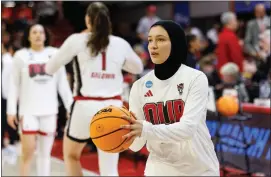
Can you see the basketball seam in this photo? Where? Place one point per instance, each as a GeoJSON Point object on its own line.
{"type": "Point", "coordinates": [106, 134]}
{"type": "Point", "coordinates": [117, 146]}
{"type": "Point", "coordinates": [107, 117]}
{"type": "Point", "coordinates": [124, 112]}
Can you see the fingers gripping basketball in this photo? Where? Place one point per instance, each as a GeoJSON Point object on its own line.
{"type": "Point", "coordinates": [105, 130]}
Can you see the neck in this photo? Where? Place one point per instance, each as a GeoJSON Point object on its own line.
{"type": "Point", "coordinates": [229, 27]}
{"type": "Point", "coordinates": [165, 72]}
{"type": "Point", "coordinates": [37, 48]}
{"type": "Point", "coordinates": [260, 18]}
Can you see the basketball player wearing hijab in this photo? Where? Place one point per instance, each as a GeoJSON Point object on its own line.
{"type": "Point", "coordinates": [99, 58]}
{"type": "Point", "coordinates": [169, 104]}
{"type": "Point", "coordinates": [37, 93]}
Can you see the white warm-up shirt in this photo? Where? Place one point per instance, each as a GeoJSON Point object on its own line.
{"type": "Point", "coordinates": [101, 75]}
{"type": "Point", "coordinates": [6, 72]}
{"type": "Point", "coordinates": [175, 128]}
{"type": "Point", "coordinates": [36, 90]}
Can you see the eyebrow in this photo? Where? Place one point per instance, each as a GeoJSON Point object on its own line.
{"type": "Point", "coordinates": [158, 36]}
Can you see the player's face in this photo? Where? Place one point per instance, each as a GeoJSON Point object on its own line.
{"type": "Point", "coordinates": [159, 45]}
{"type": "Point", "coordinates": [37, 35]}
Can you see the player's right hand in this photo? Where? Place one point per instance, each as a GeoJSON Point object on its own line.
{"type": "Point", "coordinates": [12, 121]}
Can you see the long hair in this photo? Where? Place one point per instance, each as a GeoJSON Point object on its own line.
{"type": "Point", "coordinates": [100, 27]}
{"type": "Point", "coordinates": [26, 42]}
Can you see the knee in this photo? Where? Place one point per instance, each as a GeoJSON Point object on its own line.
{"type": "Point", "coordinates": [71, 156]}
{"type": "Point", "coordinates": [72, 151]}
{"type": "Point", "coordinates": [28, 152]}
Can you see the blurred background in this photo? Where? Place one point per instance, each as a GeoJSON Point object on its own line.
{"type": "Point", "coordinates": [241, 69]}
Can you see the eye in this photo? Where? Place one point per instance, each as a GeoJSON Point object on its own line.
{"type": "Point", "coordinates": [149, 40]}
{"type": "Point", "coordinates": [161, 40]}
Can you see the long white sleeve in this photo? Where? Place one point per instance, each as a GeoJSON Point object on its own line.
{"type": "Point", "coordinates": [133, 63]}
{"type": "Point", "coordinates": [14, 86]}
{"type": "Point", "coordinates": [135, 106]}
{"type": "Point", "coordinates": [6, 72]}
{"type": "Point", "coordinates": [64, 89]}
{"type": "Point", "coordinates": [194, 113]}
{"type": "Point", "coordinates": [63, 56]}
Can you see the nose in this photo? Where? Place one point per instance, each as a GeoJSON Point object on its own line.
{"type": "Point", "coordinates": [38, 36]}
{"type": "Point", "coordinates": [153, 45]}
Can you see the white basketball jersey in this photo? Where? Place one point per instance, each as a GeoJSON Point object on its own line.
{"type": "Point", "coordinates": [96, 76]}
{"type": "Point", "coordinates": [36, 90]}
{"type": "Point", "coordinates": [176, 109]}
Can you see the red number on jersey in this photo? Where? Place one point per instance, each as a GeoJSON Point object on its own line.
{"type": "Point", "coordinates": [158, 113]}
{"type": "Point", "coordinates": [42, 67]}
{"type": "Point", "coordinates": [36, 69]}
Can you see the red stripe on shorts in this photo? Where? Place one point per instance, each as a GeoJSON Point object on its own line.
{"type": "Point", "coordinates": [97, 98]}
{"type": "Point", "coordinates": [29, 132]}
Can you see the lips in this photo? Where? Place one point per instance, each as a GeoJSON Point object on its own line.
{"type": "Point", "coordinates": [154, 53]}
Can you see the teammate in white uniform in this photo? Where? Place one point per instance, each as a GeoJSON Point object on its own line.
{"type": "Point", "coordinates": [38, 101]}
{"type": "Point", "coordinates": [98, 62]}
{"type": "Point", "coordinates": [170, 105]}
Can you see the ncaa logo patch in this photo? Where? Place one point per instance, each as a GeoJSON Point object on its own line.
{"type": "Point", "coordinates": [148, 84]}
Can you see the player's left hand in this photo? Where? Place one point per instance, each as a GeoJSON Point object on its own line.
{"type": "Point", "coordinates": [136, 127]}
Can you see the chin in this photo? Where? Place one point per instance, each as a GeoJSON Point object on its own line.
{"type": "Point", "coordinates": [39, 44]}
{"type": "Point", "coordinates": [156, 61]}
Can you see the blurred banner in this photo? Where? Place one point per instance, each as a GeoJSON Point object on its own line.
{"type": "Point", "coordinates": [248, 6]}
{"type": "Point", "coordinates": [181, 13]}
{"type": "Point", "coordinates": [256, 131]}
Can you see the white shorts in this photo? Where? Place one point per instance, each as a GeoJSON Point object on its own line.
{"type": "Point", "coordinates": [43, 125]}
{"type": "Point", "coordinates": [82, 112]}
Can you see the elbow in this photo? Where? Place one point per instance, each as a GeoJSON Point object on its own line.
{"type": "Point", "coordinates": [189, 132]}
{"type": "Point", "coordinates": [138, 68]}
{"type": "Point", "coordinates": [49, 69]}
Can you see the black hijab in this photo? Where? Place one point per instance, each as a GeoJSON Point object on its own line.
{"type": "Point", "coordinates": [178, 52]}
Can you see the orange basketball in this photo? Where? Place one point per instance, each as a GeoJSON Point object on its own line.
{"type": "Point", "coordinates": [227, 106]}
{"type": "Point", "coordinates": [105, 130]}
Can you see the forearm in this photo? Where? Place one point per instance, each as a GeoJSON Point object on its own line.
{"type": "Point", "coordinates": [168, 133]}
{"type": "Point", "coordinates": [138, 144]}
{"type": "Point", "coordinates": [12, 99]}
{"type": "Point", "coordinates": [64, 89]}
